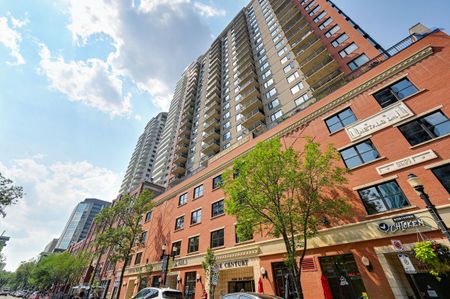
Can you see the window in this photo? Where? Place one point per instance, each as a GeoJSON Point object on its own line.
{"type": "Point", "coordinates": [176, 248]}
{"type": "Point", "coordinates": [357, 62]}
{"type": "Point", "coordinates": [246, 235]}
{"type": "Point", "coordinates": [426, 128]}
{"type": "Point", "coordinates": [296, 88]}
{"type": "Point", "coordinates": [143, 237]}
{"type": "Point", "coordinates": [332, 31]}
{"type": "Point", "coordinates": [279, 45]}
{"type": "Point", "coordinates": [217, 208]}
{"type": "Point", "coordinates": [276, 115]}
{"type": "Point", "coordinates": [342, 38]}
{"type": "Point", "coordinates": [359, 154]}
{"type": "Point", "coordinates": [226, 125]}
{"type": "Point", "coordinates": [217, 182]}
{"type": "Point", "coordinates": [193, 244]}
{"type": "Point", "coordinates": [266, 75]}
{"type": "Point", "coordinates": [276, 38]}
{"type": "Point", "coordinates": [443, 175]}
{"type": "Point", "coordinates": [326, 23]}
{"type": "Point", "coordinates": [273, 104]}
{"type": "Point", "coordinates": [217, 238]}
{"type": "Point", "coordinates": [292, 77]}
{"type": "Point", "coordinates": [179, 223]}
{"type": "Point", "coordinates": [285, 58]}
{"type": "Point", "coordinates": [302, 99]}
{"type": "Point", "coordinates": [226, 115]}
{"type": "Point", "coordinates": [182, 199]}
{"type": "Point", "coordinates": [308, 7]}
{"type": "Point", "coordinates": [348, 50]}
{"type": "Point", "coordinates": [148, 216]}
{"type": "Point", "coordinates": [340, 120]}
{"type": "Point", "coordinates": [320, 17]}
{"type": "Point", "coordinates": [137, 261]}
{"type": "Point", "coordinates": [268, 83]}
{"type": "Point", "coordinates": [288, 67]}
{"type": "Point", "coordinates": [282, 51]}
{"type": "Point", "coordinates": [271, 93]}
{"type": "Point", "coordinates": [395, 92]}
{"type": "Point", "coordinates": [264, 66]}
{"type": "Point", "coordinates": [227, 136]}
{"type": "Point", "coordinates": [198, 191]}
{"type": "Point", "coordinates": [128, 263]}
{"type": "Point", "coordinates": [196, 217]}
{"type": "Point", "coordinates": [383, 197]}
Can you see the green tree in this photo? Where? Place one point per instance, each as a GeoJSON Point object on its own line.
{"type": "Point", "coordinates": [6, 279]}
{"type": "Point", "coordinates": [286, 193]}
{"type": "Point", "coordinates": [9, 193]}
{"type": "Point", "coordinates": [23, 274]}
{"type": "Point", "coordinates": [123, 237]}
{"type": "Point", "coordinates": [208, 265]}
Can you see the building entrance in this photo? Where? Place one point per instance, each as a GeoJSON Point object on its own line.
{"type": "Point", "coordinates": [238, 286]}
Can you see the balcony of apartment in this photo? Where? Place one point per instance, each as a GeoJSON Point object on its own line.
{"type": "Point", "coordinates": [328, 84]}
{"type": "Point", "coordinates": [179, 168]}
{"type": "Point", "coordinates": [211, 147]}
{"type": "Point", "coordinates": [214, 63]}
{"type": "Point", "coordinates": [251, 105]}
{"type": "Point", "coordinates": [242, 33]}
{"type": "Point", "coordinates": [251, 118]}
{"type": "Point", "coordinates": [212, 124]}
{"type": "Point", "coordinates": [321, 70]}
{"type": "Point", "coordinates": [212, 98]}
{"type": "Point", "coordinates": [188, 108]}
{"type": "Point", "coordinates": [186, 122]}
{"type": "Point", "coordinates": [215, 90]}
{"type": "Point", "coordinates": [277, 6]}
{"type": "Point", "coordinates": [244, 51]}
{"type": "Point", "coordinates": [214, 54]}
{"type": "Point", "coordinates": [249, 95]}
{"type": "Point", "coordinates": [299, 29]}
{"type": "Point", "coordinates": [291, 12]}
{"type": "Point", "coordinates": [244, 77]}
{"type": "Point", "coordinates": [306, 46]}
{"type": "Point", "coordinates": [181, 148]}
{"type": "Point", "coordinates": [204, 160]}
{"type": "Point", "coordinates": [212, 114]}
{"type": "Point", "coordinates": [184, 136]}
{"type": "Point", "coordinates": [245, 43]}
{"type": "Point", "coordinates": [251, 82]}
{"type": "Point", "coordinates": [213, 82]}
{"type": "Point", "coordinates": [246, 64]}
{"type": "Point", "coordinates": [180, 158]}
{"type": "Point", "coordinates": [211, 135]}
{"type": "Point", "coordinates": [318, 53]}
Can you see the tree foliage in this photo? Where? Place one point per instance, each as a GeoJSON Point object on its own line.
{"type": "Point", "coordinates": [122, 235]}
{"type": "Point", "coordinates": [9, 193]}
{"type": "Point", "coordinates": [285, 193]}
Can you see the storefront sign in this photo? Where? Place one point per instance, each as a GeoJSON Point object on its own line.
{"type": "Point", "coordinates": [381, 120]}
{"type": "Point", "coordinates": [180, 262]}
{"type": "Point", "coordinates": [233, 264]}
{"type": "Point", "coordinates": [400, 224]}
{"type": "Point", "coordinates": [406, 162]}
{"type": "Point", "coordinates": [407, 264]}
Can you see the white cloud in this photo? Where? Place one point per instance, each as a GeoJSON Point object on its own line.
{"type": "Point", "coordinates": [52, 191]}
{"type": "Point", "coordinates": [91, 82]}
{"type": "Point", "coordinates": [154, 40]}
{"type": "Point", "coordinates": [207, 10]}
{"type": "Point", "coordinates": [11, 38]}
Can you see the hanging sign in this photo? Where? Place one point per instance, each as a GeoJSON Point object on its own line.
{"type": "Point", "coordinates": [398, 245]}
{"type": "Point", "coordinates": [407, 264]}
{"type": "Point", "coordinates": [215, 275]}
{"type": "Point", "coordinates": [343, 281]}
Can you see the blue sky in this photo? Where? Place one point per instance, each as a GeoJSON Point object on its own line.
{"type": "Point", "coordinates": [79, 79]}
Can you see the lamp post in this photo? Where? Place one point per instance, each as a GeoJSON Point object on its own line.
{"type": "Point", "coordinates": [417, 184]}
{"type": "Point", "coordinates": [165, 261]}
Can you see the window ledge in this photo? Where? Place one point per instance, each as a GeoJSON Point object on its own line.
{"type": "Point", "coordinates": [191, 225]}
{"type": "Point", "coordinates": [429, 141]}
{"type": "Point", "coordinates": [197, 197]}
{"type": "Point", "coordinates": [177, 230]}
{"type": "Point", "coordinates": [393, 211]}
{"type": "Point", "coordinates": [218, 247]}
{"type": "Point", "coordinates": [193, 252]}
{"type": "Point", "coordinates": [217, 188]}
{"type": "Point", "coordinates": [217, 216]}
{"type": "Point", "coordinates": [335, 132]}
{"type": "Point", "coordinates": [179, 206]}
{"type": "Point", "coordinates": [368, 163]}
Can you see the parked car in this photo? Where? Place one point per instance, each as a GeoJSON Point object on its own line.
{"type": "Point", "coordinates": [4, 292]}
{"type": "Point", "coordinates": [158, 293]}
{"type": "Point", "coordinates": [249, 295]}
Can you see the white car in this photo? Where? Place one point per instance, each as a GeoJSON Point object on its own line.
{"type": "Point", "coordinates": [158, 293]}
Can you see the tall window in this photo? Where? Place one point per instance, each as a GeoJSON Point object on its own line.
{"type": "Point", "coordinates": [443, 175]}
{"type": "Point", "coordinates": [395, 92]}
{"type": "Point", "coordinates": [143, 237]}
{"type": "Point", "coordinates": [217, 208]}
{"type": "Point", "coordinates": [182, 199]}
{"type": "Point", "coordinates": [148, 216]}
{"type": "Point", "coordinates": [198, 191]}
{"type": "Point", "coordinates": [193, 244]}
{"type": "Point", "coordinates": [137, 261]}
{"type": "Point", "coordinates": [359, 154]}
{"type": "Point", "coordinates": [426, 128]}
{"type": "Point", "coordinates": [217, 182]}
{"type": "Point", "coordinates": [179, 223]}
{"type": "Point", "coordinates": [189, 285]}
{"type": "Point", "coordinates": [383, 197]}
{"type": "Point", "coordinates": [217, 238]}
{"type": "Point", "coordinates": [176, 248]}
{"type": "Point", "coordinates": [340, 120]}
{"type": "Point", "coordinates": [196, 216]}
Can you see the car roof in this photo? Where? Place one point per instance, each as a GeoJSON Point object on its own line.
{"type": "Point", "coordinates": [252, 294]}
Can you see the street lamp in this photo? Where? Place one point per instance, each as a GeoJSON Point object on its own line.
{"type": "Point", "coordinates": [417, 184]}
{"type": "Point", "coordinates": [165, 261]}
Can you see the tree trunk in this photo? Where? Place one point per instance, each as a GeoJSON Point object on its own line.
{"type": "Point", "coordinates": [122, 272]}
{"type": "Point", "coordinates": [293, 270]}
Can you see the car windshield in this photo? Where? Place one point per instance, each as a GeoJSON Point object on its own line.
{"type": "Point", "coordinates": [172, 295]}
{"type": "Point", "coordinates": [142, 293]}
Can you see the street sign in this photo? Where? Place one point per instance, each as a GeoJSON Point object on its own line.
{"type": "Point", "coordinates": [398, 245]}
{"type": "Point", "coordinates": [407, 264]}
{"type": "Point", "coordinates": [215, 275]}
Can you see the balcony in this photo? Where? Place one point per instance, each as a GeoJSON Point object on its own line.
{"type": "Point", "coordinates": [258, 127]}
{"type": "Point", "coordinates": [252, 118]}
{"type": "Point", "coordinates": [181, 148]}
{"type": "Point", "coordinates": [288, 15]}
{"type": "Point", "coordinates": [180, 158]}
{"type": "Point", "coordinates": [308, 47]}
{"type": "Point", "coordinates": [242, 45]}
{"type": "Point", "coordinates": [328, 84]}
{"type": "Point", "coordinates": [213, 83]}
{"type": "Point", "coordinates": [248, 76]}
{"type": "Point", "coordinates": [179, 168]}
{"type": "Point", "coordinates": [245, 67]}
{"type": "Point", "coordinates": [249, 95]}
{"type": "Point", "coordinates": [211, 147]}
{"type": "Point", "coordinates": [278, 6]}
{"type": "Point", "coordinates": [215, 90]}
{"type": "Point", "coordinates": [212, 135]}
{"type": "Point", "coordinates": [215, 70]}
{"type": "Point", "coordinates": [186, 122]}
{"type": "Point", "coordinates": [212, 99]}
{"type": "Point", "coordinates": [321, 70]}
{"type": "Point", "coordinates": [214, 54]}
{"type": "Point", "coordinates": [245, 86]}
{"type": "Point", "coordinates": [212, 114]}
{"type": "Point", "coordinates": [212, 124]}
{"type": "Point", "coordinates": [246, 51]}
{"type": "Point", "coordinates": [300, 29]}
{"type": "Point", "coordinates": [307, 62]}
{"type": "Point", "coordinates": [250, 106]}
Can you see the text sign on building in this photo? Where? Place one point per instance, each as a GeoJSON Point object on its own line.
{"type": "Point", "coordinates": [401, 223]}
{"type": "Point", "coordinates": [407, 264]}
{"type": "Point", "coordinates": [385, 118]}
{"type": "Point", "coordinates": [406, 162]}
{"type": "Point", "coordinates": [233, 264]}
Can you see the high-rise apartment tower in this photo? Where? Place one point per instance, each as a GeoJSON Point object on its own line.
{"type": "Point", "coordinates": [274, 59]}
